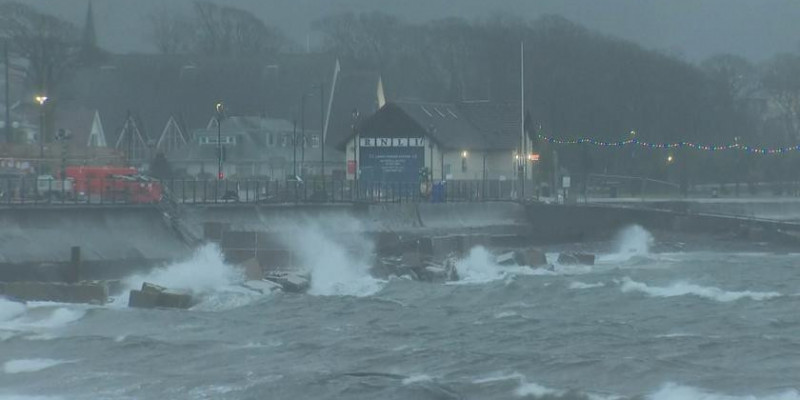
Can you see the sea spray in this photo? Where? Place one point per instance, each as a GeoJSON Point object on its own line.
{"type": "Point", "coordinates": [634, 241]}
{"type": "Point", "coordinates": [214, 283]}
{"type": "Point", "coordinates": [204, 272]}
{"type": "Point", "coordinates": [338, 264]}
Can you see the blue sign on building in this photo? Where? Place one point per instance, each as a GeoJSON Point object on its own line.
{"type": "Point", "coordinates": [391, 159]}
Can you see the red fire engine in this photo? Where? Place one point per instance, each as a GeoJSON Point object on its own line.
{"type": "Point", "coordinates": [114, 183]}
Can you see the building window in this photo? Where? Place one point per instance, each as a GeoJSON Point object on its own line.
{"type": "Point", "coordinates": [447, 169]}
{"type": "Point", "coordinates": [284, 140]}
{"type": "Point", "coordinates": [314, 140]}
{"type": "Point", "coordinates": [271, 139]}
{"type": "Point", "coordinates": [213, 140]}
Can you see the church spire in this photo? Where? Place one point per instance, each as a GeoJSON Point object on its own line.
{"type": "Point", "coordinates": [89, 49]}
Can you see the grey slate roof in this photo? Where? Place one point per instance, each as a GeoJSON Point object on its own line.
{"type": "Point", "coordinates": [465, 125]}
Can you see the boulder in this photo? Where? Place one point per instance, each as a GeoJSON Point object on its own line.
{"type": "Point", "coordinates": [154, 296]}
{"type": "Point", "coordinates": [292, 282]}
{"type": "Point", "coordinates": [262, 286]}
{"type": "Point", "coordinates": [534, 258]}
{"type": "Point", "coordinates": [506, 259]}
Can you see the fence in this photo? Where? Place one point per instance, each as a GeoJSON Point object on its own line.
{"type": "Point", "coordinates": [19, 191]}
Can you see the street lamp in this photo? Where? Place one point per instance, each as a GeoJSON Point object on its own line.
{"type": "Point", "coordinates": [220, 109]}
{"type": "Point", "coordinates": [41, 99]}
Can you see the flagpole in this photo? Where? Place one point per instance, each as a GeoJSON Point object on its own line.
{"type": "Point", "coordinates": [522, 145]}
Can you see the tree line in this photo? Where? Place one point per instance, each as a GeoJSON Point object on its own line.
{"type": "Point", "coordinates": [577, 82]}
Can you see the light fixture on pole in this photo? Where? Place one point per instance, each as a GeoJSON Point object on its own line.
{"type": "Point", "coordinates": [220, 109]}
{"type": "Point", "coordinates": [41, 99]}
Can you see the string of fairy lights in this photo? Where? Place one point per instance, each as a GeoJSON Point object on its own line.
{"type": "Point", "coordinates": [633, 141]}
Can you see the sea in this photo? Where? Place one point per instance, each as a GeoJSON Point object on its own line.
{"type": "Point", "coordinates": [660, 316]}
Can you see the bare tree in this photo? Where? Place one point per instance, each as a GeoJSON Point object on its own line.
{"type": "Point", "coordinates": [49, 44]}
{"type": "Point", "coordinates": [231, 31]}
{"type": "Point", "coordinates": [170, 32]}
{"type": "Point", "coordinates": [781, 80]}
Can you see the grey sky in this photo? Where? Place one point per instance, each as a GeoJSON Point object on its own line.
{"type": "Point", "coordinates": [695, 29]}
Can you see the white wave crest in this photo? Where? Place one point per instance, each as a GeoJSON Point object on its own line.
{"type": "Point", "coordinates": [632, 242]}
{"type": "Point", "coordinates": [480, 266]}
{"type": "Point", "coordinates": [684, 289]}
{"type": "Point", "coordinates": [206, 275]}
{"type": "Point", "coordinates": [580, 285]}
{"type": "Point", "coordinates": [30, 365]}
{"type": "Point", "coordinates": [10, 309]}
{"type": "Point", "coordinates": [671, 391]}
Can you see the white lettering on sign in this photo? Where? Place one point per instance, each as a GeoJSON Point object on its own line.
{"type": "Point", "coordinates": [392, 142]}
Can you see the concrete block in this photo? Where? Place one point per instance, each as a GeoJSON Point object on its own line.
{"type": "Point", "coordinates": [262, 286]}
{"type": "Point", "coordinates": [152, 296]}
{"type": "Point", "coordinates": [290, 281]}
{"type": "Point", "coordinates": [174, 300]}
{"type": "Point", "coordinates": [531, 257]}
{"type": "Point", "coordinates": [212, 231]}
{"type": "Point", "coordinates": [506, 259]}
{"type": "Point", "coordinates": [95, 293]}
{"type": "Point", "coordinates": [140, 299]}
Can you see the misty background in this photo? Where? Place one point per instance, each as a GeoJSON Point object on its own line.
{"type": "Point", "coordinates": [713, 72]}
{"type": "Point", "coordinates": [692, 29]}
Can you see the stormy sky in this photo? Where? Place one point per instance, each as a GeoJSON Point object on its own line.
{"type": "Point", "coordinates": [692, 29]}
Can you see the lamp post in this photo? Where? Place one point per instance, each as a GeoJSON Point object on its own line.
{"type": "Point", "coordinates": [41, 99]}
{"type": "Point", "coordinates": [356, 156]}
{"type": "Point", "coordinates": [302, 132]}
{"type": "Point", "coordinates": [220, 110]}
{"type": "Point", "coordinates": [322, 135]}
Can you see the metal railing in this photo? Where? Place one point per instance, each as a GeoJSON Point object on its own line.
{"type": "Point", "coordinates": [24, 191]}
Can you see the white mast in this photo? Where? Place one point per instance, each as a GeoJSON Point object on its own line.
{"type": "Point", "coordinates": [523, 143]}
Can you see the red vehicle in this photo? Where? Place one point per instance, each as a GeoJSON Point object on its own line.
{"type": "Point", "coordinates": [115, 184]}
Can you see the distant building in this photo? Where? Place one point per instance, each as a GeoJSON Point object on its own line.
{"type": "Point", "coordinates": [467, 140]}
{"type": "Point", "coordinates": [253, 147]}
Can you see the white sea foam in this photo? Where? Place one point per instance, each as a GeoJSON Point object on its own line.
{"type": "Point", "coordinates": [204, 272]}
{"type": "Point", "coordinates": [336, 270]}
{"type": "Point", "coordinates": [671, 391]}
{"type": "Point", "coordinates": [632, 242]}
{"type": "Point", "coordinates": [685, 288]}
{"type": "Point", "coordinates": [30, 365]}
{"type": "Point", "coordinates": [205, 275]}
{"type": "Point", "coordinates": [10, 309]}
{"type": "Point", "coordinates": [480, 266]}
{"type": "Point", "coordinates": [417, 379]}
{"type": "Point", "coordinates": [581, 285]}
{"type": "Point", "coordinates": [528, 389]}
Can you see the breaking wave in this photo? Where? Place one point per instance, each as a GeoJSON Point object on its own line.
{"type": "Point", "coordinates": [633, 242]}
{"type": "Point", "coordinates": [671, 391]}
{"type": "Point", "coordinates": [684, 289]}
{"type": "Point", "coordinates": [30, 365]}
{"type": "Point", "coordinates": [335, 269]}
{"type": "Point", "coordinates": [581, 285]}
{"type": "Point", "coordinates": [480, 266]}
{"type": "Point", "coordinates": [206, 275]}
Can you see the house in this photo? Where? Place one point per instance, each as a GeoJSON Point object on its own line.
{"type": "Point", "coordinates": [252, 147]}
{"type": "Point", "coordinates": [463, 141]}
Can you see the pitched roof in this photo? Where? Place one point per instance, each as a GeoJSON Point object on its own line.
{"type": "Point", "coordinates": [466, 125]}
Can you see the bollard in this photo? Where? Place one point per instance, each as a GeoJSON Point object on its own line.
{"type": "Point", "coordinates": [75, 264]}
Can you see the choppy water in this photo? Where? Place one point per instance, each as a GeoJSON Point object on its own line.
{"type": "Point", "coordinates": [643, 323]}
